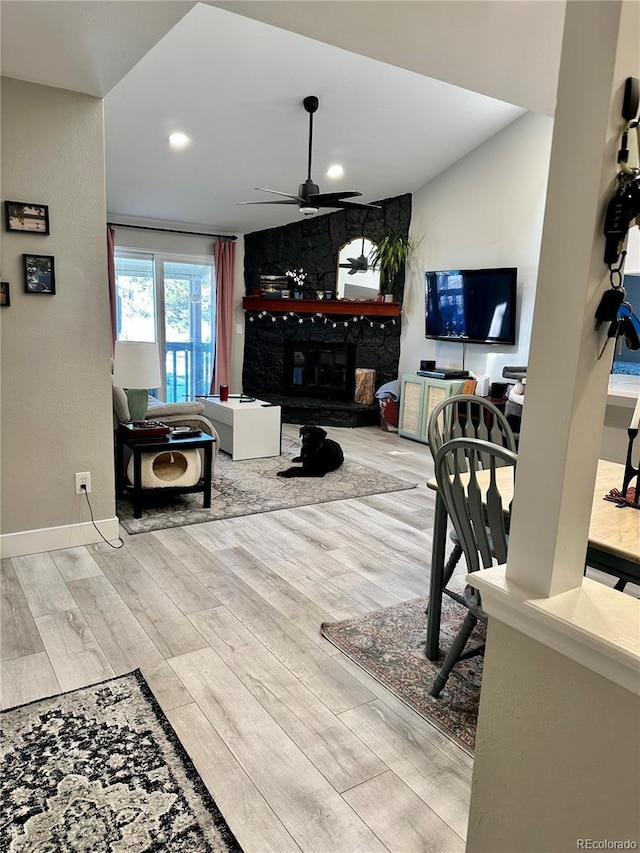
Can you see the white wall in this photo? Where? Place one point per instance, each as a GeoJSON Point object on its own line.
{"type": "Point", "coordinates": [559, 756]}
{"type": "Point", "coordinates": [56, 394]}
{"type": "Point", "coordinates": [160, 241]}
{"type": "Point", "coordinates": [485, 211]}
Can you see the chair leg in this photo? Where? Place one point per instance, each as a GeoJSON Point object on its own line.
{"type": "Point", "coordinates": [453, 655]}
{"type": "Point", "coordinates": [449, 569]}
{"type": "Point", "coordinates": [452, 562]}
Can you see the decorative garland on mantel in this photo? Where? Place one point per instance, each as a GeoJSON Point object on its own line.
{"type": "Point", "coordinates": [318, 317]}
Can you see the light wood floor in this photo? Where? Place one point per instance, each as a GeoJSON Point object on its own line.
{"type": "Point", "coordinates": [301, 750]}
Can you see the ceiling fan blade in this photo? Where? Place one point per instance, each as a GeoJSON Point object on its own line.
{"type": "Point", "coordinates": [277, 192]}
{"type": "Point", "coordinates": [274, 201]}
{"type": "Point", "coordinates": [323, 197]}
{"type": "Point", "coordinates": [347, 205]}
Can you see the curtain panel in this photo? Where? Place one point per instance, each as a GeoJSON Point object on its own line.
{"type": "Point", "coordinates": [224, 256]}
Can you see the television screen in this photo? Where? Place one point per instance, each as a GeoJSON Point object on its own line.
{"type": "Point", "coordinates": [471, 306]}
{"type": "Point", "coordinates": [626, 360]}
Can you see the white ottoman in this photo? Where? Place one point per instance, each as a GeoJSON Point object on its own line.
{"type": "Point", "coordinates": [168, 468]}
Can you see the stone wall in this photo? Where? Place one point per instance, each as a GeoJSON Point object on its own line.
{"type": "Point", "coordinates": [313, 244]}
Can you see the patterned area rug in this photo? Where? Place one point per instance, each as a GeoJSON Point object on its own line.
{"type": "Point", "coordinates": [389, 644]}
{"type": "Point", "coordinates": [101, 769]}
{"type": "Point", "coordinates": [250, 486]}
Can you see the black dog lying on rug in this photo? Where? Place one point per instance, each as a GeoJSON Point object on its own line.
{"type": "Point", "coordinates": [318, 455]}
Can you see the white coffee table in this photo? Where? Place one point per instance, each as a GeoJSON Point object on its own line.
{"type": "Point", "coordinates": [247, 430]}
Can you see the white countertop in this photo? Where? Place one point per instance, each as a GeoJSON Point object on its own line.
{"type": "Point", "coordinates": [624, 389]}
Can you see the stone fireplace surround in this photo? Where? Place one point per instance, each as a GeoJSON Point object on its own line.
{"type": "Point", "coordinates": [312, 244]}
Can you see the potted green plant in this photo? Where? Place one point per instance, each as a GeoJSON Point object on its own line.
{"type": "Point", "coordinates": [390, 256]}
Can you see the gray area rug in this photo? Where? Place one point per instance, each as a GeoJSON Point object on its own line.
{"type": "Point", "coordinates": [101, 769]}
{"type": "Point", "coordinates": [251, 486]}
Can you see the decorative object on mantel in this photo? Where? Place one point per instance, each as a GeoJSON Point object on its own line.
{"type": "Point", "coordinates": [298, 277]}
{"type": "Point", "coordinates": [365, 385]}
{"type": "Point", "coordinates": [100, 768]}
{"type": "Point", "coordinates": [390, 255]}
{"type": "Point", "coordinates": [318, 317]}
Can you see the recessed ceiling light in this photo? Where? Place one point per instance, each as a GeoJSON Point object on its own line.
{"type": "Point", "coordinates": [335, 171]}
{"type": "Point", "coordinates": [178, 140]}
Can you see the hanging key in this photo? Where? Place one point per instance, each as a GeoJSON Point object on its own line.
{"type": "Point", "coordinates": [607, 310]}
{"type": "Point", "coordinates": [614, 330]}
{"type": "Point", "coordinates": [616, 223]}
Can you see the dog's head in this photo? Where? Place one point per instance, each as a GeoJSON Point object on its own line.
{"type": "Point", "coordinates": [312, 436]}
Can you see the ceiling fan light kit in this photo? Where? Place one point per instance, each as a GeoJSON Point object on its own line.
{"type": "Point", "coordinates": [309, 198]}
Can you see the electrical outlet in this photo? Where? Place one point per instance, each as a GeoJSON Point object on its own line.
{"type": "Point", "coordinates": [238, 328]}
{"type": "Point", "coordinates": [83, 479]}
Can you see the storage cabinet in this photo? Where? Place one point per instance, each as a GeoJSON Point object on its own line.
{"type": "Point", "coordinates": [419, 395]}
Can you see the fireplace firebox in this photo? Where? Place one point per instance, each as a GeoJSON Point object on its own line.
{"type": "Point", "coordinates": [319, 370]}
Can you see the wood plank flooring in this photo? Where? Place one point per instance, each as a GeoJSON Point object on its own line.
{"type": "Point", "coordinates": [301, 750]}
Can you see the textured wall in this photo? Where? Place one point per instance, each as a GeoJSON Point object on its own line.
{"type": "Point", "coordinates": [557, 752]}
{"type": "Point", "coordinates": [56, 389]}
{"type": "Point", "coordinates": [313, 244]}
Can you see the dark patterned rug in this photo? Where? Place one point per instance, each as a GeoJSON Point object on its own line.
{"type": "Point", "coordinates": [389, 644]}
{"type": "Point", "coordinates": [101, 769]}
{"type": "Point", "coordinates": [249, 486]}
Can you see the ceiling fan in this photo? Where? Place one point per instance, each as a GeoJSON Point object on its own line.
{"type": "Point", "coordinates": [355, 265]}
{"type": "Point", "coordinates": [309, 198]}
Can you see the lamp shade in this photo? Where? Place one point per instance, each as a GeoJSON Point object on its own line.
{"type": "Point", "coordinates": [137, 365]}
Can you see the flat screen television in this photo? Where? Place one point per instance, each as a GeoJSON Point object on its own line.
{"type": "Point", "coordinates": [471, 306]}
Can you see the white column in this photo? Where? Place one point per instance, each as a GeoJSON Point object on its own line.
{"type": "Point", "coordinates": [567, 384]}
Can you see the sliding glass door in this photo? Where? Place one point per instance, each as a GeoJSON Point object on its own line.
{"type": "Point", "coordinates": [170, 299]}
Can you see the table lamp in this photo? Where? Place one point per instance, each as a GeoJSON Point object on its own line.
{"type": "Point", "coordinates": [136, 368]}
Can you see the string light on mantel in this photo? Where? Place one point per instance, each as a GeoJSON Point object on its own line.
{"type": "Point", "coordinates": [292, 317]}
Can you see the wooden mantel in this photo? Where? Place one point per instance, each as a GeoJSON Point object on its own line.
{"type": "Point", "coordinates": [351, 307]}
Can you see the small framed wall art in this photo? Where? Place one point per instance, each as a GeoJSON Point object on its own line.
{"type": "Point", "coordinates": [5, 299]}
{"type": "Point", "coordinates": [39, 274]}
{"type": "Point", "coordinates": [27, 218]}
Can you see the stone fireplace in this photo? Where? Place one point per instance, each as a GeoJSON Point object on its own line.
{"type": "Point", "coordinates": [308, 368]}
{"type": "Point", "coordinates": [303, 353]}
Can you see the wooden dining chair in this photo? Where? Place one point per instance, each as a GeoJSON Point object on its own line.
{"type": "Point", "coordinates": [466, 416]}
{"type": "Point", "coordinates": [478, 517]}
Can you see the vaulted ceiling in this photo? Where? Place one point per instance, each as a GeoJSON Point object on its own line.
{"type": "Point", "coordinates": [406, 89]}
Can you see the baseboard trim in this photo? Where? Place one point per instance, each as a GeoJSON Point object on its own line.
{"type": "Point", "coordinates": [55, 538]}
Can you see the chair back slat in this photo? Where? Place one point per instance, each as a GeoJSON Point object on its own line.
{"type": "Point", "coordinates": [495, 516]}
{"type": "Point", "coordinates": [468, 416]}
{"type": "Point", "coordinates": [477, 513]}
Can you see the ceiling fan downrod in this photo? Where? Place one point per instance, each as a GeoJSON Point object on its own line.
{"type": "Point", "coordinates": [311, 105]}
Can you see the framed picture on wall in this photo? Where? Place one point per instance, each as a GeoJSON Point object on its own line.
{"type": "Point", "coordinates": [25, 217]}
{"type": "Point", "coordinates": [39, 274]}
{"type": "Point", "coordinates": [5, 299]}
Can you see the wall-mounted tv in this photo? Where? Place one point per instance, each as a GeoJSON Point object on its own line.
{"type": "Point", "coordinates": [471, 306]}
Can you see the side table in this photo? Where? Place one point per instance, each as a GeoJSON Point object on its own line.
{"type": "Point", "coordinates": [138, 446]}
{"type": "Point", "coordinates": [248, 429]}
